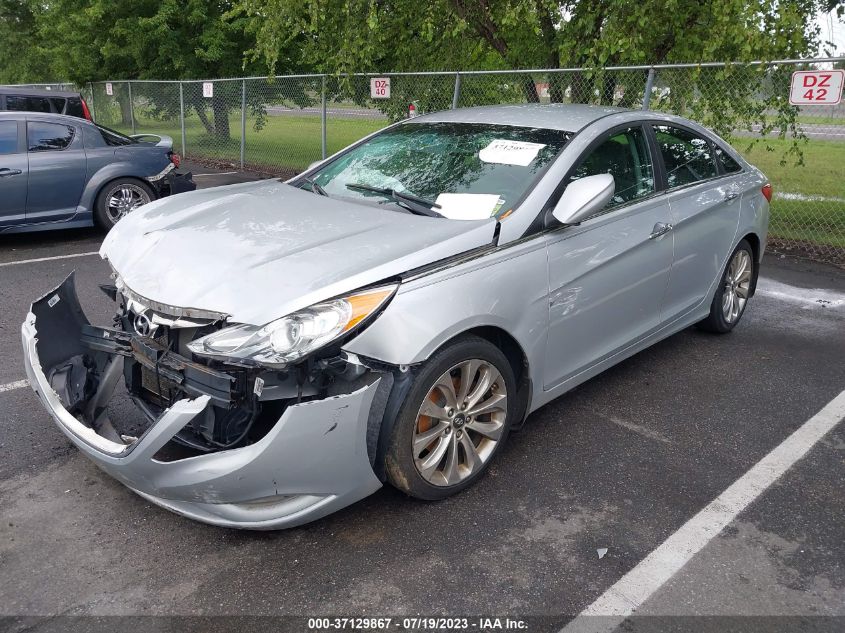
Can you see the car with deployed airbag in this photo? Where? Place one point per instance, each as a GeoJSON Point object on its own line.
{"type": "Point", "coordinates": [394, 312]}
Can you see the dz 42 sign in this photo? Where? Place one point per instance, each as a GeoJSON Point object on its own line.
{"type": "Point", "coordinates": [380, 88]}
{"type": "Point", "coordinates": [816, 87]}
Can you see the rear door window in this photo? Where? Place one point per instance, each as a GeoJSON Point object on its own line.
{"type": "Point", "coordinates": [28, 104]}
{"type": "Point", "coordinates": [688, 157]}
{"type": "Point", "coordinates": [45, 137]}
{"type": "Point", "coordinates": [8, 137]}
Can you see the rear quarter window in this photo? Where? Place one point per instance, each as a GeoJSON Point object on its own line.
{"type": "Point", "coordinates": [728, 164]}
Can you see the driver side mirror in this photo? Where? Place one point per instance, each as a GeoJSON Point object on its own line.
{"type": "Point", "coordinates": [584, 197]}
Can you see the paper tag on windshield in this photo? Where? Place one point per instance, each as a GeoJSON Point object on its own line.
{"type": "Point", "coordinates": [505, 152]}
{"type": "Point", "coordinates": [467, 206]}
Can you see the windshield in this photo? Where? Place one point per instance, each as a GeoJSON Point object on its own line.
{"type": "Point", "coordinates": [462, 170]}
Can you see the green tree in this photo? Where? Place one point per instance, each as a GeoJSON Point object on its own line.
{"type": "Point", "coordinates": [22, 60]}
{"type": "Point", "coordinates": [346, 35]}
{"type": "Point", "coordinates": [378, 35]}
{"type": "Point", "coordinates": [93, 40]}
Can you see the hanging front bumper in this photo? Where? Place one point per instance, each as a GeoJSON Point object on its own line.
{"type": "Point", "coordinates": [312, 462]}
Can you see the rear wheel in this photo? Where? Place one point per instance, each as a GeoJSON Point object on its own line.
{"type": "Point", "coordinates": [453, 422]}
{"type": "Point", "coordinates": [120, 197]}
{"type": "Point", "coordinates": [733, 292]}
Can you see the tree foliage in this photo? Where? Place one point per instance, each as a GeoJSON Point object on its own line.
{"type": "Point", "coordinates": [340, 36]}
{"type": "Point", "coordinates": [89, 40]}
{"type": "Point", "coordinates": [92, 40]}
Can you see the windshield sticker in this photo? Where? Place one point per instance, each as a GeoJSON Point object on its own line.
{"type": "Point", "coordinates": [505, 152]}
{"type": "Point", "coordinates": [468, 206]}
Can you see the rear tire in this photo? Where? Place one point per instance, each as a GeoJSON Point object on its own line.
{"type": "Point", "coordinates": [732, 293]}
{"type": "Point", "coordinates": [120, 197]}
{"type": "Point", "coordinates": [454, 420]}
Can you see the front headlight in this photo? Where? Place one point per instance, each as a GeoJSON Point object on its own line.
{"type": "Point", "coordinates": [290, 338]}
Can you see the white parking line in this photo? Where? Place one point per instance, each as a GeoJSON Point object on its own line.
{"type": "Point", "coordinates": [219, 173]}
{"type": "Point", "coordinates": [46, 259]}
{"type": "Point", "coordinates": [18, 384]}
{"type": "Point", "coordinates": [806, 297]}
{"type": "Point", "coordinates": [634, 588]}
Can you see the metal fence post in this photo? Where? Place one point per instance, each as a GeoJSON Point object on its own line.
{"type": "Point", "coordinates": [243, 121]}
{"type": "Point", "coordinates": [182, 116]}
{"type": "Point", "coordinates": [131, 107]}
{"type": "Point", "coordinates": [93, 106]}
{"type": "Point", "coordinates": [456, 95]}
{"type": "Point", "coordinates": [323, 119]}
{"type": "Point", "coordinates": [649, 84]}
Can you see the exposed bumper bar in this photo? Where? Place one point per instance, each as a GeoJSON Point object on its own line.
{"type": "Point", "coordinates": [312, 462]}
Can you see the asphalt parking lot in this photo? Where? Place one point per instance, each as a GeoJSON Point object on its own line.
{"type": "Point", "coordinates": [622, 463]}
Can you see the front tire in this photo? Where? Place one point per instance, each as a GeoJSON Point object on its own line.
{"type": "Point", "coordinates": [120, 197]}
{"type": "Point", "coordinates": [454, 420]}
{"type": "Point", "coordinates": [732, 293]}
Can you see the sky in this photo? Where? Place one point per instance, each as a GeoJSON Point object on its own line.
{"type": "Point", "coordinates": [832, 29]}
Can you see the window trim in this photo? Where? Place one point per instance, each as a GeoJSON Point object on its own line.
{"type": "Point", "coordinates": [73, 137]}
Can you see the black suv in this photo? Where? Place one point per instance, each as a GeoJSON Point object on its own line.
{"type": "Point", "coordinates": [50, 101]}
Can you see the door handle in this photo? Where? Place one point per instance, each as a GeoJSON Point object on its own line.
{"type": "Point", "coordinates": [5, 171]}
{"type": "Point", "coordinates": [661, 228]}
{"type": "Point", "coordinates": [731, 194]}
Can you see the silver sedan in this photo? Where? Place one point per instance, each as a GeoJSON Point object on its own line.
{"type": "Point", "coordinates": [392, 313]}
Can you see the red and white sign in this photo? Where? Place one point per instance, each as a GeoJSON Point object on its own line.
{"type": "Point", "coordinates": [207, 89]}
{"type": "Point", "coordinates": [816, 87]}
{"type": "Point", "coordinates": [380, 87]}
{"type": "Point", "coordinates": [109, 89]}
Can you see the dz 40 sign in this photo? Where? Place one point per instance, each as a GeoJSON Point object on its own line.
{"type": "Point", "coordinates": [380, 88]}
{"type": "Point", "coordinates": [816, 87]}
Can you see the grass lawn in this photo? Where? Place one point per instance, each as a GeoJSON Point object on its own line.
{"type": "Point", "coordinates": [821, 175]}
{"type": "Point", "coordinates": [839, 119]}
{"type": "Point", "coordinates": [286, 141]}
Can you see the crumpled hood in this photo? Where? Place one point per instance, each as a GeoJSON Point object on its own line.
{"type": "Point", "coordinates": [259, 251]}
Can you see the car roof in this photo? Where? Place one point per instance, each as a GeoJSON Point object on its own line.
{"type": "Point", "coordinates": [35, 92]}
{"type": "Point", "coordinates": [47, 116]}
{"type": "Point", "coordinates": [554, 116]}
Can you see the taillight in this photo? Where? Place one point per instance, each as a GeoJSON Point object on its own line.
{"type": "Point", "coordinates": [85, 111]}
{"type": "Point", "coordinates": [175, 159]}
{"type": "Point", "coordinates": [767, 191]}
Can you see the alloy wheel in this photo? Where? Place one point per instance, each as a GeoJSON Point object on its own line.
{"type": "Point", "coordinates": [125, 199]}
{"type": "Point", "coordinates": [737, 286]}
{"type": "Point", "coordinates": [460, 422]}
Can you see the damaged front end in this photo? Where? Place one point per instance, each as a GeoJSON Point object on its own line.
{"type": "Point", "coordinates": [224, 443]}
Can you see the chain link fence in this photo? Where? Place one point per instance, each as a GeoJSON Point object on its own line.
{"type": "Point", "coordinates": [278, 126]}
